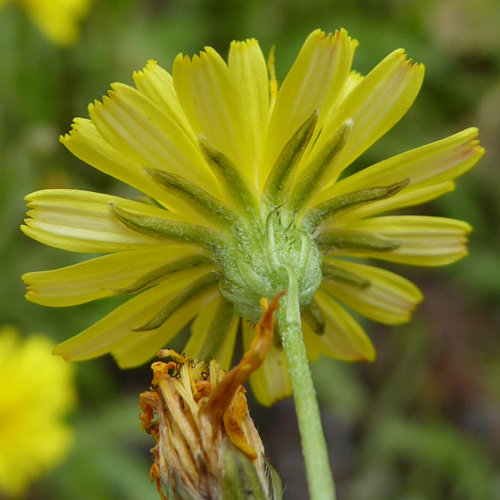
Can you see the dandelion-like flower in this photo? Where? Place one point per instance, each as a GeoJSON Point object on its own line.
{"type": "Point", "coordinates": [57, 19]}
{"type": "Point", "coordinates": [244, 183]}
{"type": "Point", "coordinates": [36, 393]}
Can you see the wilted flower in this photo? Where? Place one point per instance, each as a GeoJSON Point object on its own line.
{"type": "Point", "coordinates": [207, 445]}
{"type": "Point", "coordinates": [245, 184]}
{"type": "Point", "coordinates": [36, 393]}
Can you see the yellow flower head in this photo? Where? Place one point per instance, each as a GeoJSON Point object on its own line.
{"type": "Point", "coordinates": [206, 443]}
{"type": "Point", "coordinates": [36, 392]}
{"type": "Point", "coordinates": [57, 19]}
{"type": "Point", "coordinates": [245, 184]}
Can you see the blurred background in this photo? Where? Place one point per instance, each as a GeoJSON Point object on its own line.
{"type": "Point", "coordinates": [420, 423]}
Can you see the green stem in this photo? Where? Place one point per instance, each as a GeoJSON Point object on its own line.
{"type": "Point", "coordinates": [314, 449]}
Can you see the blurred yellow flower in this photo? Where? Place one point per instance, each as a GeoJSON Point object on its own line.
{"type": "Point", "coordinates": [246, 183]}
{"type": "Point", "coordinates": [36, 391]}
{"type": "Point", "coordinates": [57, 19]}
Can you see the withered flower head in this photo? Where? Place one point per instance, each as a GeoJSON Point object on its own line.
{"type": "Point", "coordinates": [207, 446]}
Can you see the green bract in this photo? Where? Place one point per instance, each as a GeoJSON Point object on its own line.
{"type": "Point", "coordinates": [259, 268]}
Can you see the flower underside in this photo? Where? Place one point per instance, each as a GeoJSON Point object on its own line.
{"type": "Point", "coordinates": [252, 249]}
{"type": "Point", "coordinates": [247, 180]}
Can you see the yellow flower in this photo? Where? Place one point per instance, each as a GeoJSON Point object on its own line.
{"type": "Point", "coordinates": [57, 19]}
{"type": "Point", "coordinates": [206, 443]}
{"type": "Point", "coordinates": [245, 182]}
{"type": "Point", "coordinates": [36, 393]}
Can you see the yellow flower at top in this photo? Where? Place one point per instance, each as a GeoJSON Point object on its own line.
{"type": "Point", "coordinates": [57, 19]}
{"type": "Point", "coordinates": [246, 186]}
{"type": "Point", "coordinates": [36, 392]}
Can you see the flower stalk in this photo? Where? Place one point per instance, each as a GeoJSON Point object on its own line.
{"type": "Point", "coordinates": [314, 448]}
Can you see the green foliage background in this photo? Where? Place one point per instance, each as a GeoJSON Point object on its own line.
{"type": "Point", "coordinates": [423, 421]}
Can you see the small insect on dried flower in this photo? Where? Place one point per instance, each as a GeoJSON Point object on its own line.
{"type": "Point", "coordinates": [207, 446]}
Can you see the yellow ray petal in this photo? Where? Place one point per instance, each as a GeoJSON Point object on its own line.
{"type": "Point", "coordinates": [136, 126]}
{"type": "Point", "coordinates": [351, 81]}
{"type": "Point", "coordinates": [313, 82]}
{"type": "Point", "coordinates": [210, 101]}
{"type": "Point", "coordinates": [139, 347]}
{"type": "Point", "coordinates": [424, 241]}
{"type": "Point", "coordinates": [389, 299]}
{"type": "Point", "coordinates": [216, 319]}
{"type": "Point", "coordinates": [118, 325]}
{"type": "Point", "coordinates": [433, 163]}
{"type": "Point", "coordinates": [85, 142]}
{"type": "Point", "coordinates": [247, 67]}
{"type": "Point", "coordinates": [343, 337]}
{"type": "Point", "coordinates": [158, 85]}
{"type": "Point", "coordinates": [271, 381]}
{"type": "Point", "coordinates": [99, 277]}
{"type": "Point", "coordinates": [200, 329]}
{"type": "Point", "coordinates": [224, 355]}
{"type": "Point", "coordinates": [374, 105]}
{"type": "Point", "coordinates": [81, 221]}
{"type": "Point", "coordinates": [313, 347]}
